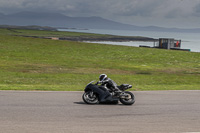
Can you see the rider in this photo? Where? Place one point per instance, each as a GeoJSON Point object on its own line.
{"type": "Point", "coordinates": [109, 83]}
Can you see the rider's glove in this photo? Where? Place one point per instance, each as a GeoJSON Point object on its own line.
{"type": "Point", "coordinates": [99, 82]}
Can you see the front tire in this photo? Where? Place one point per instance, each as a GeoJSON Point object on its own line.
{"type": "Point", "coordinates": [90, 98]}
{"type": "Point", "coordinates": [129, 99]}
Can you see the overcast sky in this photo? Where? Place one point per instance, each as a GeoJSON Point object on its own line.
{"type": "Point", "coordinates": [165, 13]}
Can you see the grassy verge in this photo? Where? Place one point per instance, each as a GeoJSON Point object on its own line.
{"type": "Point", "coordinates": [43, 64]}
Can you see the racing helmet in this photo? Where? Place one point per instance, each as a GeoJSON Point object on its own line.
{"type": "Point", "coordinates": [102, 77]}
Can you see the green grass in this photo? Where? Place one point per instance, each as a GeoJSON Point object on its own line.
{"type": "Point", "coordinates": [43, 64]}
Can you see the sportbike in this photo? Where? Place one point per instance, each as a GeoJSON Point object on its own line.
{"type": "Point", "coordinates": [94, 94]}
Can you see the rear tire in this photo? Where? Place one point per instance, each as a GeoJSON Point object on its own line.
{"type": "Point", "coordinates": [128, 100]}
{"type": "Point", "coordinates": [90, 98]}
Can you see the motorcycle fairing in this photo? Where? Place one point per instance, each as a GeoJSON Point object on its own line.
{"type": "Point", "coordinates": [103, 94]}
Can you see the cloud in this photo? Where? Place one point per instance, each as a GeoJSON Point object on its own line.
{"type": "Point", "coordinates": [119, 10]}
{"type": "Point", "coordinates": [197, 10]}
{"type": "Point", "coordinates": [112, 7]}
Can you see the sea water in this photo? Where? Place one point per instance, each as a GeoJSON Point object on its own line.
{"type": "Point", "coordinates": [188, 40]}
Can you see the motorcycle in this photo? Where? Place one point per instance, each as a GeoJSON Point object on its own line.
{"type": "Point", "coordinates": [94, 94]}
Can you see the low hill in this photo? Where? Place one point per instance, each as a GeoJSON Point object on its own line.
{"type": "Point", "coordinates": [49, 33]}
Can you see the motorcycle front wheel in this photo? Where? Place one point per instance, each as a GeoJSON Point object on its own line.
{"type": "Point", "coordinates": [90, 98]}
{"type": "Point", "coordinates": [129, 99]}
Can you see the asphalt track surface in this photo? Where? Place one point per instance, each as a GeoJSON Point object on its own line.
{"type": "Point", "coordinates": [64, 112]}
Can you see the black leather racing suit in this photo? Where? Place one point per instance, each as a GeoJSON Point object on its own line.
{"type": "Point", "coordinates": [110, 84]}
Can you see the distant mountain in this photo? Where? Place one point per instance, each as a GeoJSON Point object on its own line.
{"type": "Point", "coordinates": [60, 20]}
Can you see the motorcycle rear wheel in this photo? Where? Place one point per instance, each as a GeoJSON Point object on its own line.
{"type": "Point", "coordinates": [129, 100]}
{"type": "Point", "coordinates": [90, 98]}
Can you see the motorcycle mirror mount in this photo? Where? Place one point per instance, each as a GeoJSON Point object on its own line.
{"type": "Point", "coordinates": [91, 82]}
